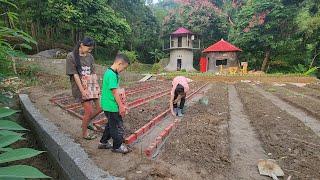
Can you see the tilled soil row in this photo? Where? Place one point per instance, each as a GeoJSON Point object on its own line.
{"type": "Point", "coordinates": [286, 139]}
{"type": "Point", "coordinates": [309, 105]}
{"type": "Point", "coordinates": [304, 91]}
{"type": "Point", "coordinates": [139, 116]}
{"type": "Point", "coordinates": [201, 140]}
{"type": "Point", "coordinates": [315, 86]}
{"type": "Point", "coordinates": [147, 92]}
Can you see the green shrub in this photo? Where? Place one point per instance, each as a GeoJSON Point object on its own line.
{"type": "Point", "coordinates": [156, 68]}
{"type": "Point", "coordinates": [300, 68]}
{"type": "Point", "coordinates": [164, 62]}
{"type": "Point", "coordinates": [29, 70]}
{"type": "Point", "coordinates": [311, 71]}
{"type": "Point", "coordinates": [139, 67]}
{"type": "Point", "coordinates": [132, 55]}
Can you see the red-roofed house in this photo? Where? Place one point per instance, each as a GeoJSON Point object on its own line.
{"type": "Point", "coordinates": [181, 47]}
{"type": "Point", "coordinates": [221, 53]}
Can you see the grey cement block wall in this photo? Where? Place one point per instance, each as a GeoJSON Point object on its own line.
{"type": "Point", "coordinates": [72, 160]}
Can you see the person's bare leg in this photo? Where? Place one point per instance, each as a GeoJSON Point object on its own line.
{"type": "Point", "coordinates": [99, 123]}
{"type": "Point", "coordinates": [88, 109]}
{"type": "Point", "coordinates": [97, 107]}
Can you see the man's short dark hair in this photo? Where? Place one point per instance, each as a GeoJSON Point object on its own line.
{"type": "Point", "coordinates": [122, 57]}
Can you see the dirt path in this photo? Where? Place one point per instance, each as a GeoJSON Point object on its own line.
{"type": "Point", "coordinates": [285, 138]}
{"type": "Point", "coordinates": [246, 149]}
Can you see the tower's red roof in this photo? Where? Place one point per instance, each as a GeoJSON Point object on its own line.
{"type": "Point", "coordinates": [181, 30]}
{"type": "Point", "coordinates": [221, 46]}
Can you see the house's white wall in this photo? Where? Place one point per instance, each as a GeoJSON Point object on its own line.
{"type": "Point", "coordinates": [214, 56]}
{"type": "Point", "coordinates": [186, 56]}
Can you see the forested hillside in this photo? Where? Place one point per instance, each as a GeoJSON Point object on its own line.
{"type": "Point", "coordinates": [275, 35]}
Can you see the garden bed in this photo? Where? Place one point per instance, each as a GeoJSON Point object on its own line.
{"type": "Point", "coordinates": [304, 91]}
{"type": "Point", "coordinates": [312, 106]}
{"type": "Point", "coordinates": [284, 138]}
{"type": "Point", "coordinates": [201, 141]}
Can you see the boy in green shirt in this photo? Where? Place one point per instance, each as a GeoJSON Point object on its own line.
{"type": "Point", "coordinates": [113, 107]}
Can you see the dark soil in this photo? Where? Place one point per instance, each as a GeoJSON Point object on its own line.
{"type": "Point", "coordinates": [148, 92]}
{"type": "Point", "coordinates": [139, 116]}
{"type": "Point", "coordinates": [135, 85]}
{"type": "Point", "coordinates": [312, 106]}
{"type": "Point", "coordinates": [202, 138]}
{"type": "Point", "coordinates": [293, 145]}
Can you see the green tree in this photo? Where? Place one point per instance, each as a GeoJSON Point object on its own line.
{"type": "Point", "coordinates": [308, 21]}
{"type": "Point", "coordinates": [264, 29]}
{"type": "Point", "coordinates": [145, 27]}
{"type": "Point", "coordinates": [201, 17]}
{"type": "Point", "coordinates": [66, 22]}
{"type": "Point", "coordinates": [12, 40]}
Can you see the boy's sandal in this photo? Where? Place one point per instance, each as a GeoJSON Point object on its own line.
{"type": "Point", "coordinates": [90, 137]}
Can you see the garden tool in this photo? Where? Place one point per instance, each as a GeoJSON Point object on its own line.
{"type": "Point", "coordinates": [268, 167]}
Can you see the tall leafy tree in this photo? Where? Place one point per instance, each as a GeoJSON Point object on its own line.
{"type": "Point", "coordinates": [201, 17]}
{"type": "Point", "coordinates": [145, 27]}
{"type": "Point", "coordinates": [67, 21]}
{"type": "Point", "coordinates": [264, 28]}
{"type": "Point", "coordinates": [308, 21]}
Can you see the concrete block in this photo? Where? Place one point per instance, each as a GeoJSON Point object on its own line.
{"type": "Point", "coordinates": [70, 158]}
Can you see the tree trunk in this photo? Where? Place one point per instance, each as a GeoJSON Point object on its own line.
{"type": "Point", "coordinates": [265, 60]}
{"type": "Point", "coordinates": [14, 65]}
{"type": "Point", "coordinates": [73, 36]}
{"type": "Point", "coordinates": [314, 58]}
{"type": "Point", "coordinates": [33, 30]}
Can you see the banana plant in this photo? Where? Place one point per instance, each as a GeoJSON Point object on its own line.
{"type": "Point", "coordinates": [11, 132]}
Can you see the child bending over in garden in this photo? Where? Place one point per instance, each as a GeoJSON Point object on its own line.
{"type": "Point", "coordinates": [179, 90]}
